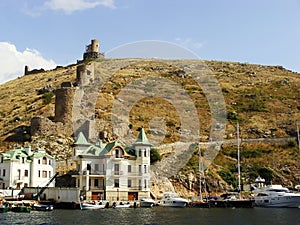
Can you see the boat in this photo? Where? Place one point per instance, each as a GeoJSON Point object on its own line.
{"type": "Point", "coordinates": [147, 202]}
{"type": "Point", "coordinates": [234, 200]}
{"type": "Point", "coordinates": [276, 196]}
{"type": "Point", "coordinates": [41, 207]}
{"type": "Point", "coordinates": [3, 206]}
{"type": "Point", "coordinates": [21, 208]}
{"type": "Point", "coordinates": [89, 206]}
{"type": "Point", "coordinates": [173, 200]}
{"type": "Point", "coordinates": [121, 205]}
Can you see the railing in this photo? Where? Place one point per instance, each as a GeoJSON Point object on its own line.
{"type": "Point", "coordinates": [94, 172]}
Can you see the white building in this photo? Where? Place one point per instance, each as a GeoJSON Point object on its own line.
{"type": "Point", "coordinates": [22, 167]}
{"type": "Point", "coordinates": [111, 171]}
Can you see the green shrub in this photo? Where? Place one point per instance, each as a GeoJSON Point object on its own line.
{"type": "Point", "coordinates": [154, 156]}
{"type": "Point", "coordinates": [228, 177]}
{"type": "Point", "coordinates": [47, 97]}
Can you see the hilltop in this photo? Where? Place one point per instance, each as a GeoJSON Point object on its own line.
{"type": "Point", "coordinates": [263, 99]}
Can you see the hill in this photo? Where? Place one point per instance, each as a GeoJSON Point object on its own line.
{"type": "Point", "coordinates": [263, 99]}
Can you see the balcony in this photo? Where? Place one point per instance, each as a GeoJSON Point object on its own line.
{"type": "Point", "coordinates": [94, 173]}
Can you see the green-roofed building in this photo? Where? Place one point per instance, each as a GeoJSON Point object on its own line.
{"type": "Point", "coordinates": [112, 171]}
{"type": "Point", "coordinates": [22, 167]}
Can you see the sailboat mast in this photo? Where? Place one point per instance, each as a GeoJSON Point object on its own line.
{"type": "Point", "coordinates": [200, 169]}
{"type": "Point", "coordinates": [298, 137]}
{"type": "Point", "coordinates": [238, 159]}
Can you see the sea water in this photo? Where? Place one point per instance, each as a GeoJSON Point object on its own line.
{"type": "Point", "coordinates": [156, 216]}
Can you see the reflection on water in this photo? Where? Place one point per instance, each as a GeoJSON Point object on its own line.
{"type": "Point", "coordinates": [155, 216]}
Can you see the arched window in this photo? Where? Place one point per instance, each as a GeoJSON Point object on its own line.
{"type": "Point", "coordinates": [44, 160]}
{"type": "Point", "coordinates": [118, 153]}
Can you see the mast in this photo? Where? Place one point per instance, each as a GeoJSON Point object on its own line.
{"type": "Point", "coordinates": [298, 137]}
{"type": "Point", "coordinates": [200, 170]}
{"type": "Point", "coordinates": [238, 159]}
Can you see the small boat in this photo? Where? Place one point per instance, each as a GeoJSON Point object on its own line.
{"type": "Point", "coordinates": [276, 196]}
{"type": "Point", "coordinates": [41, 207]}
{"type": "Point", "coordinates": [172, 200]}
{"type": "Point", "coordinates": [121, 205]}
{"type": "Point", "coordinates": [88, 206]}
{"type": "Point", "coordinates": [21, 208]}
{"type": "Point", "coordinates": [3, 206]}
{"type": "Point", "coordinates": [147, 202]}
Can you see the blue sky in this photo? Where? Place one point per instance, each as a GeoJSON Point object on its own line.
{"type": "Point", "coordinates": [46, 33]}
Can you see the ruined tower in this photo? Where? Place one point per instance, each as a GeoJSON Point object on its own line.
{"type": "Point", "coordinates": [64, 103]}
{"type": "Point", "coordinates": [92, 51]}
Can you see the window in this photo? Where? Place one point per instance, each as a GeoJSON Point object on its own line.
{"type": "Point", "coordinates": [96, 167]}
{"type": "Point", "coordinates": [26, 173]}
{"type": "Point", "coordinates": [140, 168]}
{"type": "Point", "coordinates": [145, 152]}
{"type": "Point", "coordinates": [19, 174]}
{"type": "Point", "coordinates": [39, 173]}
{"type": "Point", "coordinates": [117, 169]}
{"type": "Point", "coordinates": [2, 159]}
{"type": "Point", "coordinates": [145, 168]}
{"type": "Point", "coordinates": [44, 174]}
{"type": "Point", "coordinates": [44, 160]}
{"type": "Point", "coordinates": [145, 183]}
{"type": "Point", "coordinates": [140, 152]}
{"type": "Point", "coordinates": [49, 161]}
{"type": "Point", "coordinates": [96, 183]}
{"type": "Point", "coordinates": [49, 173]}
{"type": "Point", "coordinates": [129, 168]}
{"type": "Point", "coordinates": [118, 153]}
{"type": "Point", "coordinates": [129, 183]}
{"type": "Point", "coordinates": [88, 167]}
{"type": "Point", "coordinates": [39, 161]}
{"type": "Point", "coordinates": [117, 184]}
{"type": "Point", "coordinates": [23, 160]}
{"type": "Point", "coordinates": [3, 173]}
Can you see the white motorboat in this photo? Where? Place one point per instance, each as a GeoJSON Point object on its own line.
{"type": "Point", "coordinates": [147, 202]}
{"type": "Point", "coordinates": [84, 206]}
{"type": "Point", "coordinates": [121, 205]}
{"type": "Point", "coordinates": [172, 200]}
{"type": "Point", "coordinates": [276, 196]}
{"type": "Point", "coordinates": [41, 207]}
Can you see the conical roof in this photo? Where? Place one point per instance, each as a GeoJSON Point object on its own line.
{"type": "Point", "coordinates": [142, 138]}
{"type": "Point", "coordinates": [81, 140]}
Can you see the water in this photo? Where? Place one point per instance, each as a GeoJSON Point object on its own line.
{"type": "Point", "coordinates": [156, 216]}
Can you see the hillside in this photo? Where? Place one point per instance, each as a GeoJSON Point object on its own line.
{"type": "Point", "coordinates": [263, 99]}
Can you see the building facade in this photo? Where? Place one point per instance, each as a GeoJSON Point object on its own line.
{"type": "Point", "coordinates": [22, 167]}
{"type": "Point", "coordinates": [111, 171]}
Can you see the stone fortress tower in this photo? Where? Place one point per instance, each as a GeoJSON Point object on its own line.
{"type": "Point", "coordinates": [92, 51]}
{"type": "Point", "coordinates": [64, 100]}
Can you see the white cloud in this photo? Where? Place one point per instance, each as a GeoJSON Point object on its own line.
{"type": "Point", "coordinates": [13, 62]}
{"type": "Point", "coordinates": [76, 5]}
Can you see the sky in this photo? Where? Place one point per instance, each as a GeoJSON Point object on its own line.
{"type": "Point", "coordinates": [47, 33]}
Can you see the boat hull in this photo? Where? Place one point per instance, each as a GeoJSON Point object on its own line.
{"type": "Point", "coordinates": [289, 201]}
{"type": "Point", "coordinates": [147, 203]}
{"type": "Point", "coordinates": [86, 206]}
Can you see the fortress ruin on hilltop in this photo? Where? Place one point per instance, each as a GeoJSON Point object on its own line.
{"type": "Point", "coordinates": [64, 102]}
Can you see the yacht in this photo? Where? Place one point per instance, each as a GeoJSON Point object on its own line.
{"type": "Point", "coordinates": [147, 202]}
{"type": "Point", "coordinates": [276, 196]}
{"type": "Point", "coordinates": [172, 200]}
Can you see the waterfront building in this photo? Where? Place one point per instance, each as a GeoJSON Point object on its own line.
{"type": "Point", "coordinates": [22, 167]}
{"type": "Point", "coordinates": [112, 171]}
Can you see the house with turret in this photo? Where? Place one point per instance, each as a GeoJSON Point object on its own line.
{"type": "Point", "coordinates": [112, 171]}
{"type": "Point", "coordinates": [22, 167]}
